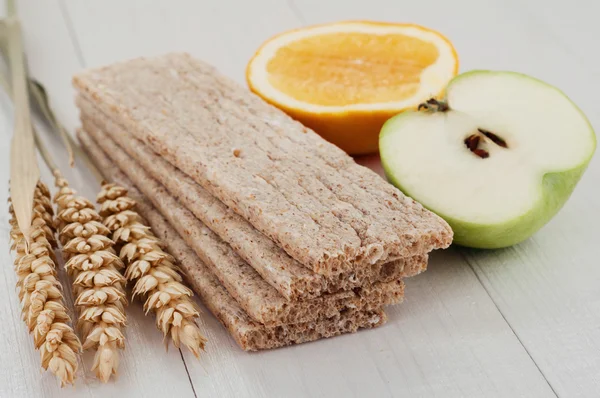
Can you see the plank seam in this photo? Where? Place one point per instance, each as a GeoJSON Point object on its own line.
{"type": "Point", "coordinates": [188, 373]}
{"type": "Point", "coordinates": [466, 259]}
{"type": "Point", "coordinates": [71, 29]}
{"type": "Point", "coordinates": [296, 11]}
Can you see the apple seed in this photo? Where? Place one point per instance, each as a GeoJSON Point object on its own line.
{"type": "Point", "coordinates": [472, 142]}
{"type": "Point", "coordinates": [495, 139]}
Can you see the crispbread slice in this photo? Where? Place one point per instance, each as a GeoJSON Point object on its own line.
{"type": "Point", "coordinates": [249, 334]}
{"type": "Point", "coordinates": [309, 197]}
{"type": "Point", "coordinates": [259, 299]}
{"type": "Point", "coordinates": [290, 278]}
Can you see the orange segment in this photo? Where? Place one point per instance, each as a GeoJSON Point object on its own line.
{"type": "Point", "coordinates": [344, 80]}
{"type": "Point", "coordinates": [351, 68]}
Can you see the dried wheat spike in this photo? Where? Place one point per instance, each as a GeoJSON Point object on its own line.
{"type": "Point", "coordinates": [40, 291]}
{"type": "Point", "coordinates": [98, 285]}
{"type": "Point", "coordinates": [151, 269]}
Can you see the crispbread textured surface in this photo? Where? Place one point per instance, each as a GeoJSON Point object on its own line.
{"type": "Point", "coordinates": [309, 197]}
{"type": "Point", "coordinates": [259, 299]}
{"type": "Point", "coordinates": [249, 335]}
{"type": "Point", "coordinates": [285, 274]}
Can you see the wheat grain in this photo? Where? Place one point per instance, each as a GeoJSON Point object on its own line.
{"type": "Point", "coordinates": [40, 291]}
{"type": "Point", "coordinates": [151, 269]}
{"type": "Point", "coordinates": [98, 285]}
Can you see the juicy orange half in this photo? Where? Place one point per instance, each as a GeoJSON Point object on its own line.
{"type": "Point", "coordinates": [344, 80]}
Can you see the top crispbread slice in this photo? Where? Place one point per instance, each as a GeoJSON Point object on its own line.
{"type": "Point", "coordinates": [259, 299]}
{"type": "Point", "coordinates": [282, 272]}
{"type": "Point", "coordinates": [309, 197]}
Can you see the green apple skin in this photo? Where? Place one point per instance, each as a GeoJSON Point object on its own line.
{"type": "Point", "coordinates": [556, 190]}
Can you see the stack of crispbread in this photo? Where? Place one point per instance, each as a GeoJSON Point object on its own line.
{"type": "Point", "coordinates": [285, 238]}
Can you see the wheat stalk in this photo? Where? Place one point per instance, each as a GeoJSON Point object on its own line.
{"type": "Point", "coordinates": [154, 272]}
{"type": "Point", "coordinates": [32, 235]}
{"type": "Point", "coordinates": [98, 285]}
{"type": "Point", "coordinates": [151, 269]}
{"type": "Point", "coordinates": [24, 171]}
{"type": "Point", "coordinates": [40, 291]}
{"type": "Point", "coordinates": [97, 282]}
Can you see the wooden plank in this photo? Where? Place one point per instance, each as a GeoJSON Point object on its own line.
{"type": "Point", "coordinates": [51, 56]}
{"type": "Point", "coordinates": [448, 339]}
{"type": "Point", "coordinates": [225, 32]}
{"type": "Point", "coordinates": [145, 366]}
{"type": "Point", "coordinates": [571, 26]}
{"type": "Point", "coordinates": [547, 287]}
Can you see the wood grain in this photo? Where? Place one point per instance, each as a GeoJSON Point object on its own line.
{"type": "Point", "coordinates": [523, 321]}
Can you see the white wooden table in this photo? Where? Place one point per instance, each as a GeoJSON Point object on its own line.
{"type": "Point", "coordinates": [520, 322]}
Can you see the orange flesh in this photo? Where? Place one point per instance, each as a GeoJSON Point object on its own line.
{"type": "Point", "coordinates": [347, 68]}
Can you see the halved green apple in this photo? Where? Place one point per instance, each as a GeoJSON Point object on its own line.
{"type": "Point", "coordinates": [497, 159]}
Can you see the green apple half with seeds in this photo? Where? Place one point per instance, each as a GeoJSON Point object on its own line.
{"type": "Point", "coordinates": [497, 159]}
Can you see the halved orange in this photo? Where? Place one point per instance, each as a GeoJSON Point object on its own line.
{"type": "Point", "coordinates": [345, 79]}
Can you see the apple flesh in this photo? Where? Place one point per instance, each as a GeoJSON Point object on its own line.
{"type": "Point", "coordinates": [497, 159]}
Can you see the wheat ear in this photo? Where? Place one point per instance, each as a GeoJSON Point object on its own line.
{"type": "Point", "coordinates": [40, 291]}
{"type": "Point", "coordinates": [98, 285]}
{"type": "Point", "coordinates": [151, 269]}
